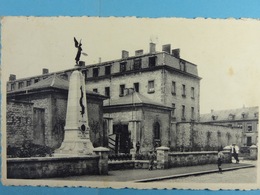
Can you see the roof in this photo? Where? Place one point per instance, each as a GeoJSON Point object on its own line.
{"type": "Point", "coordinates": [133, 98]}
{"type": "Point", "coordinates": [53, 81]}
{"type": "Point", "coordinates": [246, 113]}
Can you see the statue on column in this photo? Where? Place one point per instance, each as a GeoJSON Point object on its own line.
{"type": "Point", "coordinates": [79, 52]}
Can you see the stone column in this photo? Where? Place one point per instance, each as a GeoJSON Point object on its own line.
{"type": "Point", "coordinates": [228, 155]}
{"type": "Point", "coordinates": [253, 152]}
{"type": "Point", "coordinates": [76, 134]}
{"type": "Point", "coordinates": [162, 157]}
{"type": "Point", "coordinates": [134, 129]}
{"type": "Point", "coordinates": [103, 159]}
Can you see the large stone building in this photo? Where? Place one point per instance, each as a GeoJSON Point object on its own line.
{"type": "Point", "coordinates": [163, 89]}
{"type": "Point", "coordinates": [152, 98]}
{"type": "Point", "coordinates": [245, 118]}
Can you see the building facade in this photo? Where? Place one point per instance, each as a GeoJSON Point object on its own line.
{"type": "Point", "coordinates": [245, 118]}
{"type": "Point", "coordinates": [164, 89]}
{"type": "Point", "coordinates": [37, 114]}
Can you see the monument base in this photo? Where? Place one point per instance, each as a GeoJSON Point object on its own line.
{"type": "Point", "coordinates": [75, 144]}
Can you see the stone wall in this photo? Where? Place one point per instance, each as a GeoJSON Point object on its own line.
{"type": "Point", "coordinates": [54, 104]}
{"type": "Point", "coordinates": [198, 137]}
{"type": "Point", "coordinates": [19, 123]}
{"type": "Point", "coordinates": [47, 167]}
{"type": "Point", "coordinates": [151, 116]}
{"type": "Point", "coordinates": [179, 159]}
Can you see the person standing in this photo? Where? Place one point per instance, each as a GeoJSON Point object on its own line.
{"type": "Point", "coordinates": [220, 160]}
{"type": "Point", "coordinates": [152, 157]}
{"type": "Point", "coordinates": [234, 151]}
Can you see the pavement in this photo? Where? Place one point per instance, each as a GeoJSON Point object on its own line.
{"type": "Point", "coordinates": [144, 175]}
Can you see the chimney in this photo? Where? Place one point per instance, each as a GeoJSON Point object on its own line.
{"type": "Point", "coordinates": [139, 52]}
{"type": "Point", "coordinates": [211, 111]}
{"type": "Point", "coordinates": [167, 48]}
{"type": "Point", "coordinates": [99, 60]}
{"type": "Point", "coordinates": [125, 54]}
{"type": "Point", "coordinates": [12, 77]}
{"type": "Point", "coordinates": [45, 71]}
{"type": "Point", "coordinates": [176, 53]}
{"type": "Point", "coordinates": [81, 63]}
{"type": "Point", "coordinates": [152, 48]}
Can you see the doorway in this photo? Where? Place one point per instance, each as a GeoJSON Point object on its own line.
{"type": "Point", "coordinates": [38, 126]}
{"type": "Point", "coordinates": [123, 141]}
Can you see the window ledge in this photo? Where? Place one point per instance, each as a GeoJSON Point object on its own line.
{"type": "Point", "coordinates": [150, 91]}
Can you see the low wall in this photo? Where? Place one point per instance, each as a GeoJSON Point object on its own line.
{"type": "Point", "coordinates": [47, 167]}
{"type": "Point", "coordinates": [179, 159]}
{"type": "Point", "coordinates": [203, 137]}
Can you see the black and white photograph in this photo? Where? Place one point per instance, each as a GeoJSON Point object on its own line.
{"type": "Point", "coordinates": [130, 102]}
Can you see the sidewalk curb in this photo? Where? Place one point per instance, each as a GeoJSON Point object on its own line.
{"type": "Point", "coordinates": [192, 174]}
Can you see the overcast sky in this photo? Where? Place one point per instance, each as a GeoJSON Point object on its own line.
{"type": "Point", "coordinates": [227, 52]}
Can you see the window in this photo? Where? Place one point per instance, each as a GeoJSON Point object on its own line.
{"type": "Point", "coordinates": [249, 127]}
{"type": "Point", "coordinates": [152, 61]}
{"type": "Point", "coordinates": [173, 88]}
{"type": "Point", "coordinates": [183, 91]}
{"type": "Point", "coordinates": [183, 112]}
{"type": "Point", "coordinates": [156, 131]}
{"type": "Point", "coordinates": [20, 85]}
{"type": "Point", "coordinates": [12, 86]}
{"type": "Point", "coordinates": [249, 141]}
{"type": "Point", "coordinates": [173, 110]}
{"type": "Point", "coordinates": [122, 66]}
{"type": "Point", "coordinates": [183, 65]}
{"type": "Point", "coordinates": [150, 86]}
{"type": "Point", "coordinates": [95, 72]}
{"type": "Point", "coordinates": [28, 83]}
{"type": "Point", "coordinates": [107, 70]}
{"type": "Point", "coordinates": [107, 91]}
{"type": "Point", "coordinates": [36, 80]}
{"type": "Point", "coordinates": [192, 113]}
{"type": "Point", "coordinates": [240, 125]}
{"type": "Point", "coordinates": [95, 90]}
{"type": "Point", "coordinates": [137, 64]}
{"type": "Point", "coordinates": [136, 87]}
{"type": "Point", "coordinates": [192, 93]}
{"type": "Point", "coordinates": [121, 90]}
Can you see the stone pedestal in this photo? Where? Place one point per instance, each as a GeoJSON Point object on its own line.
{"type": "Point", "coordinates": [253, 152]}
{"type": "Point", "coordinates": [103, 159]}
{"type": "Point", "coordinates": [227, 154]}
{"type": "Point", "coordinates": [162, 157]}
{"type": "Point", "coordinates": [76, 136]}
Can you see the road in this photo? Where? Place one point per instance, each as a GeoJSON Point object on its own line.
{"type": "Point", "coordinates": [248, 175]}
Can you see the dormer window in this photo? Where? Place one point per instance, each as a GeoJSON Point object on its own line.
{"type": "Point", "coordinates": [214, 117]}
{"type": "Point", "coordinates": [243, 115]}
{"type": "Point", "coordinates": [256, 114]}
{"type": "Point", "coordinates": [231, 117]}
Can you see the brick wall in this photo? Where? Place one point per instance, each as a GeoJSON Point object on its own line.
{"type": "Point", "coordinates": [198, 136]}
{"type": "Point", "coordinates": [19, 123]}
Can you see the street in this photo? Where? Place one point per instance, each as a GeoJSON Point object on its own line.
{"type": "Point", "coordinates": [248, 175]}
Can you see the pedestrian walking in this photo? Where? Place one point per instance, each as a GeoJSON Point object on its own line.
{"type": "Point", "coordinates": [220, 160]}
{"type": "Point", "coordinates": [152, 157]}
{"type": "Point", "coordinates": [235, 151]}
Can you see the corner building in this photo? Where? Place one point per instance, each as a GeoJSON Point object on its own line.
{"type": "Point", "coordinates": [162, 81]}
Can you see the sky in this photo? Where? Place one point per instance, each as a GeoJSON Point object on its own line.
{"type": "Point", "coordinates": [226, 51]}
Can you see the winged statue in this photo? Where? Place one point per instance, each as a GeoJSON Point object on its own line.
{"type": "Point", "coordinates": [78, 46]}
